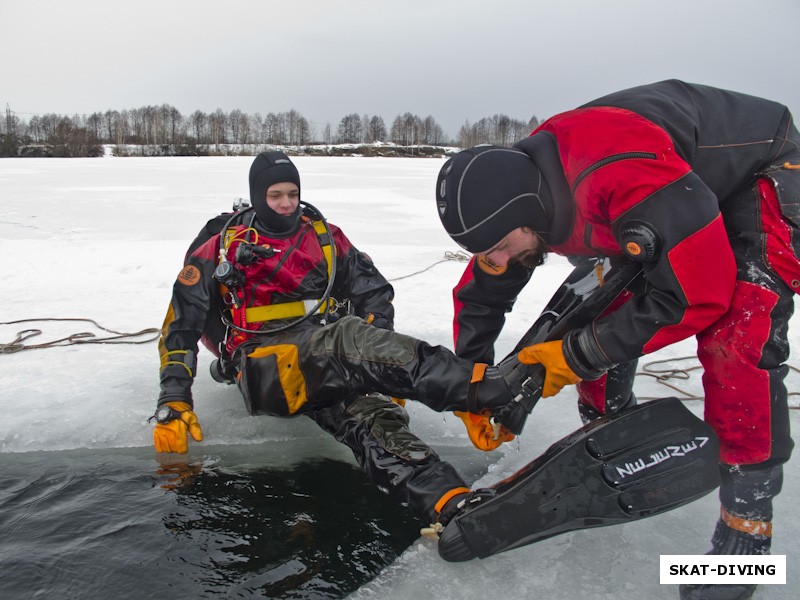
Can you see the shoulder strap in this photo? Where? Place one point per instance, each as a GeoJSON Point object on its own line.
{"type": "Point", "coordinates": [325, 241]}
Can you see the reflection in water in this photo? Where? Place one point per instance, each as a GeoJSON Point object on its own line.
{"type": "Point", "coordinates": [316, 529]}
{"type": "Point", "coordinates": [245, 523]}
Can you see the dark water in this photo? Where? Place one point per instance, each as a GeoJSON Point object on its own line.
{"type": "Point", "coordinates": [243, 522]}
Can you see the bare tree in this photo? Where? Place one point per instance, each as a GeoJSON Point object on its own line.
{"type": "Point", "coordinates": [376, 130]}
{"type": "Point", "coordinates": [151, 127]}
{"type": "Point", "coordinates": [71, 139]}
{"type": "Point", "coordinates": [365, 128]}
{"type": "Point", "coordinates": [35, 130]}
{"type": "Point", "coordinates": [296, 128]}
{"type": "Point", "coordinates": [502, 130]}
{"type": "Point", "coordinates": [245, 130]}
{"type": "Point", "coordinates": [172, 122]}
{"type": "Point", "coordinates": [431, 132]}
{"type": "Point", "coordinates": [109, 118]}
{"type": "Point", "coordinates": [273, 128]}
{"type": "Point", "coordinates": [233, 122]}
{"type": "Point", "coordinates": [137, 131]}
{"type": "Point", "coordinates": [499, 129]}
{"type": "Point", "coordinates": [302, 131]}
{"type": "Point", "coordinates": [217, 125]}
{"type": "Point", "coordinates": [466, 137]}
{"type": "Point", "coordinates": [121, 127]}
{"type": "Point", "coordinates": [256, 128]}
{"type": "Point", "coordinates": [95, 123]}
{"type": "Point", "coordinates": [350, 131]}
{"type": "Point", "coordinates": [199, 121]}
{"type": "Point", "coordinates": [406, 130]}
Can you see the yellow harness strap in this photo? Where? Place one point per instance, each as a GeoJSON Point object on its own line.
{"type": "Point", "coordinates": [286, 310]}
{"type": "Point", "coordinates": [325, 241]}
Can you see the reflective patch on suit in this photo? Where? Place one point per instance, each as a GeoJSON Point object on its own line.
{"type": "Point", "coordinates": [388, 423]}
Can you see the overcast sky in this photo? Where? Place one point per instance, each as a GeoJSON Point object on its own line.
{"type": "Point", "coordinates": [456, 60]}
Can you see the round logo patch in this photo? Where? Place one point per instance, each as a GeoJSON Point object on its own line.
{"type": "Point", "coordinates": [189, 275]}
{"type": "Point", "coordinates": [489, 266]}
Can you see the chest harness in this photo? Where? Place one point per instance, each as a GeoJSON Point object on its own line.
{"type": "Point", "coordinates": [243, 319]}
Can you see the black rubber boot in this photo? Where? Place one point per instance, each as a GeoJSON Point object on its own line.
{"type": "Point", "coordinates": [617, 390]}
{"type": "Point", "coordinates": [452, 546]}
{"type": "Point", "coordinates": [728, 541]}
{"type": "Point", "coordinates": [451, 508]}
{"type": "Point", "coordinates": [589, 413]}
{"type": "Point", "coordinates": [744, 529]}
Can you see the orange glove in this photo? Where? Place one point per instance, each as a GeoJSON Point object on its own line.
{"type": "Point", "coordinates": [551, 356]}
{"type": "Point", "coordinates": [398, 401]}
{"type": "Point", "coordinates": [482, 433]}
{"type": "Point", "coordinates": [170, 432]}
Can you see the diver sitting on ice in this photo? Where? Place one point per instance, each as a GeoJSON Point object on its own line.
{"type": "Point", "coordinates": [265, 288]}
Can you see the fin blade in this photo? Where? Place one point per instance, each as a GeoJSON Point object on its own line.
{"type": "Point", "coordinates": [640, 462]}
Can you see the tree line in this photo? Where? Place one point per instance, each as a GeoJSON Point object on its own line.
{"type": "Point", "coordinates": [165, 127]}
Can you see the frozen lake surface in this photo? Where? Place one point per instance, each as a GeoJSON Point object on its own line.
{"type": "Point", "coordinates": [87, 512]}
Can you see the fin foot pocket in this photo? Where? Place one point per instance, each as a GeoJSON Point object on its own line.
{"type": "Point", "coordinates": [452, 545]}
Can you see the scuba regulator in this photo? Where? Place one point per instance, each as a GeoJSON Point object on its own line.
{"type": "Point", "coordinates": [231, 276]}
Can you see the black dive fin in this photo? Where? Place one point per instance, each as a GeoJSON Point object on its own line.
{"type": "Point", "coordinates": [581, 299]}
{"type": "Point", "coordinates": [639, 462]}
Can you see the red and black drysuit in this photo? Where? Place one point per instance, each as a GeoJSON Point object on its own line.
{"type": "Point", "coordinates": [332, 373]}
{"type": "Point", "coordinates": [712, 177]}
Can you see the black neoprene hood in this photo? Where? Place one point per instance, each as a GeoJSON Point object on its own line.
{"type": "Point", "coordinates": [485, 192]}
{"type": "Point", "coordinates": [267, 169]}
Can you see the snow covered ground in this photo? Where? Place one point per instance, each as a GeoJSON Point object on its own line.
{"type": "Point", "coordinates": [104, 239]}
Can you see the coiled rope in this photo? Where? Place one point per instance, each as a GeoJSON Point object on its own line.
{"type": "Point", "coordinates": [83, 337]}
{"type": "Point", "coordinates": [664, 375]}
{"type": "Point", "coordinates": [448, 256]}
